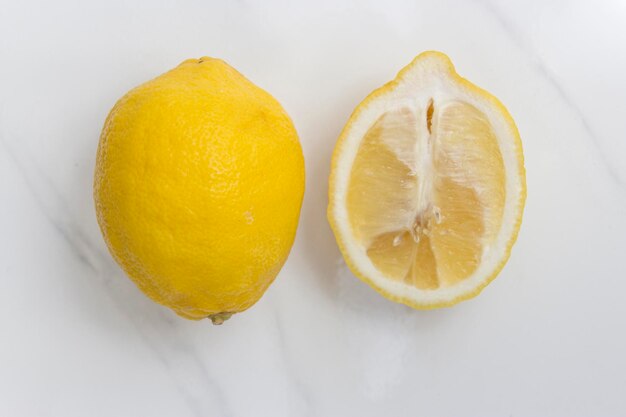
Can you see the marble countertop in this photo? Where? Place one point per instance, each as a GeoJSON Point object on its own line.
{"type": "Point", "coordinates": [547, 338]}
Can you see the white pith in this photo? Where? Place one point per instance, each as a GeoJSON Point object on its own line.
{"type": "Point", "coordinates": [429, 78]}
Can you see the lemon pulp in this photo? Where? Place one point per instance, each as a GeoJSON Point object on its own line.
{"type": "Point", "coordinates": [426, 193]}
{"type": "Point", "coordinates": [427, 186]}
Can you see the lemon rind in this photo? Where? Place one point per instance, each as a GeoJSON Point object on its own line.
{"type": "Point", "coordinates": [446, 65]}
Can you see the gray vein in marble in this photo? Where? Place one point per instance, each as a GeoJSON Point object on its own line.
{"type": "Point", "coordinates": [296, 382]}
{"type": "Point", "coordinates": [73, 238]}
{"type": "Point", "coordinates": [186, 364]}
{"type": "Point", "coordinates": [518, 39]}
{"type": "Point", "coordinates": [56, 211]}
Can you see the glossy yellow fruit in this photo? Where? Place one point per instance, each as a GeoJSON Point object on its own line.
{"type": "Point", "coordinates": [427, 186]}
{"type": "Point", "coordinates": [198, 186]}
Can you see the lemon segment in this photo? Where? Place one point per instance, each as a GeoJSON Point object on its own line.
{"type": "Point", "coordinates": [427, 186]}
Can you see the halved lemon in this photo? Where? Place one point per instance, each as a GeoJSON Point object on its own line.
{"type": "Point", "coordinates": [427, 186]}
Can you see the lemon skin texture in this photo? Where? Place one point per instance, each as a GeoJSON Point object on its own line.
{"type": "Point", "coordinates": [198, 187]}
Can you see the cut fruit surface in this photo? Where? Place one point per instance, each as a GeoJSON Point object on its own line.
{"type": "Point", "coordinates": [427, 186]}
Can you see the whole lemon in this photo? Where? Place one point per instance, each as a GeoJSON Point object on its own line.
{"type": "Point", "coordinates": [198, 186]}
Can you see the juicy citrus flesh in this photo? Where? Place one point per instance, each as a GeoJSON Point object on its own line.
{"type": "Point", "coordinates": [427, 186]}
{"type": "Point", "coordinates": [426, 193]}
{"type": "Point", "coordinates": [198, 187]}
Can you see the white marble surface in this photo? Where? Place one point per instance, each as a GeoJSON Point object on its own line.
{"type": "Point", "coordinates": [547, 338]}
